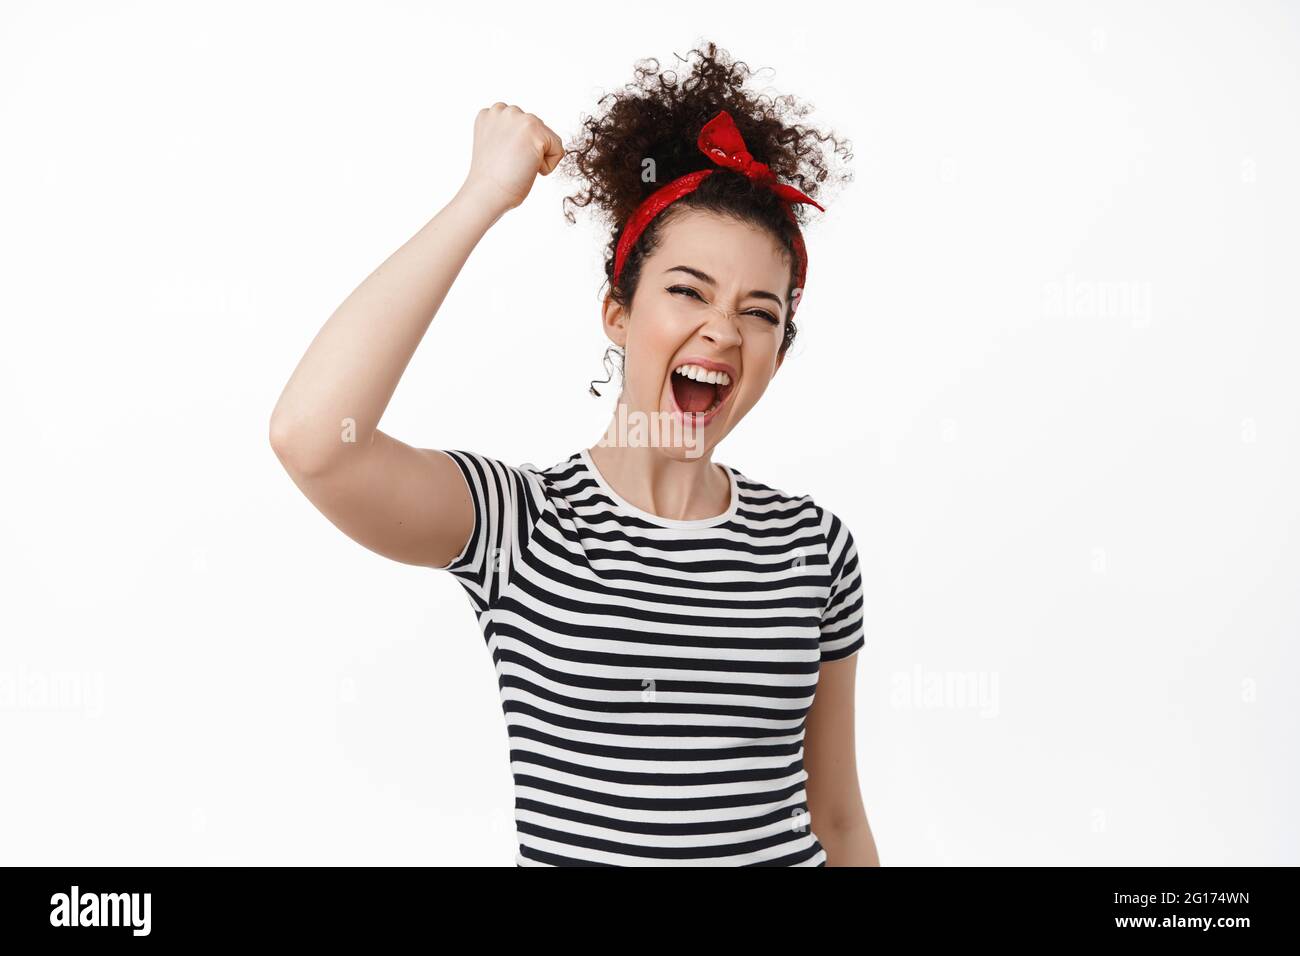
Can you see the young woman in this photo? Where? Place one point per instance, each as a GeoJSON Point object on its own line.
{"type": "Point", "coordinates": [674, 641]}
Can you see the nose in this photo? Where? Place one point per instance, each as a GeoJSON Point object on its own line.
{"type": "Point", "coordinates": [720, 327]}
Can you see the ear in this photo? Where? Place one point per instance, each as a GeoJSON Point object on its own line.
{"type": "Point", "coordinates": [779, 359]}
{"type": "Point", "coordinates": [614, 319]}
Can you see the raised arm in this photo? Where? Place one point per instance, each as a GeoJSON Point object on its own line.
{"type": "Point", "coordinates": [406, 503]}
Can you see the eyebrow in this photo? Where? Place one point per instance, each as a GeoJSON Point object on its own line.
{"type": "Point", "coordinates": [705, 277]}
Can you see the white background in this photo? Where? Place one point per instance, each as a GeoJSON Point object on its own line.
{"type": "Point", "coordinates": [1046, 375]}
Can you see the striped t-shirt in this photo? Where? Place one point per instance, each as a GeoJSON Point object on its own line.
{"type": "Point", "coordinates": [656, 674]}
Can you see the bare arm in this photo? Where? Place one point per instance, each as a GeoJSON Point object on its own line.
{"type": "Point", "coordinates": [834, 794]}
{"type": "Point", "coordinates": [406, 503]}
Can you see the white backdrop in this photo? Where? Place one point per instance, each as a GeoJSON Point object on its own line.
{"type": "Point", "coordinates": [1046, 375]}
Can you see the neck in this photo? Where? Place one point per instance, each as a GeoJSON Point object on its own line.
{"type": "Point", "coordinates": [665, 481]}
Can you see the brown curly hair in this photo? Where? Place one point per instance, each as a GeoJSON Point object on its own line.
{"type": "Point", "coordinates": [659, 117]}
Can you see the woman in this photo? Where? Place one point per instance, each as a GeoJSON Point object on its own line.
{"type": "Point", "coordinates": [674, 641]}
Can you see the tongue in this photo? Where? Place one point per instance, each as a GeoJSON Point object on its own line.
{"type": "Point", "coordinates": [693, 396]}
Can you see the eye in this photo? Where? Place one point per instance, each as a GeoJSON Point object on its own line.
{"type": "Point", "coordinates": [677, 289]}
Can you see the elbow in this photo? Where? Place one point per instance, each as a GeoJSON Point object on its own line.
{"type": "Point", "coordinates": [283, 435]}
{"type": "Point", "coordinates": [309, 449]}
{"type": "Point", "coordinates": [292, 447]}
{"type": "Point", "coordinates": [279, 433]}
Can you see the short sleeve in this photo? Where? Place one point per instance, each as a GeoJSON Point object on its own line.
{"type": "Point", "coordinates": [842, 632]}
{"type": "Point", "coordinates": [507, 503]}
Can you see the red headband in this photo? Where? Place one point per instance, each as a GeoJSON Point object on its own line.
{"type": "Point", "coordinates": [721, 141]}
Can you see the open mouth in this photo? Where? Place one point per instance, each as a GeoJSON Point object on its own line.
{"type": "Point", "coordinates": [700, 391]}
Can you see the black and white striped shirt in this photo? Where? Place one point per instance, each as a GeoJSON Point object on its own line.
{"type": "Point", "coordinates": [655, 674]}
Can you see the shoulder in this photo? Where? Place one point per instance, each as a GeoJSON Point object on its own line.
{"type": "Point", "coordinates": [536, 473]}
{"type": "Point", "coordinates": [754, 490]}
{"type": "Point", "coordinates": [558, 479]}
{"type": "Point", "coordinates": [759, 500]}
{"type": "Point", "coordinates": [765, 497]}
{"type": "Point", "coordinates": [495, 482]}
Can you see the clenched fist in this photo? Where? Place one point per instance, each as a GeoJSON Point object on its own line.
{"type": "Point", "coordinates": [511, 148]}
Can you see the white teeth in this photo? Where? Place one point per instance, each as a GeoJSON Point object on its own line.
{"type": "Point", "coordinates": [703, 374]}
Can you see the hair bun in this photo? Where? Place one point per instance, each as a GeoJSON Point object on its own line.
{"type": "Point", "coordinates": [650, 127]}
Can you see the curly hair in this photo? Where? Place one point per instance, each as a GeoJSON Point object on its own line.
{"type": "Point", "coordinates": [659, 117]}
